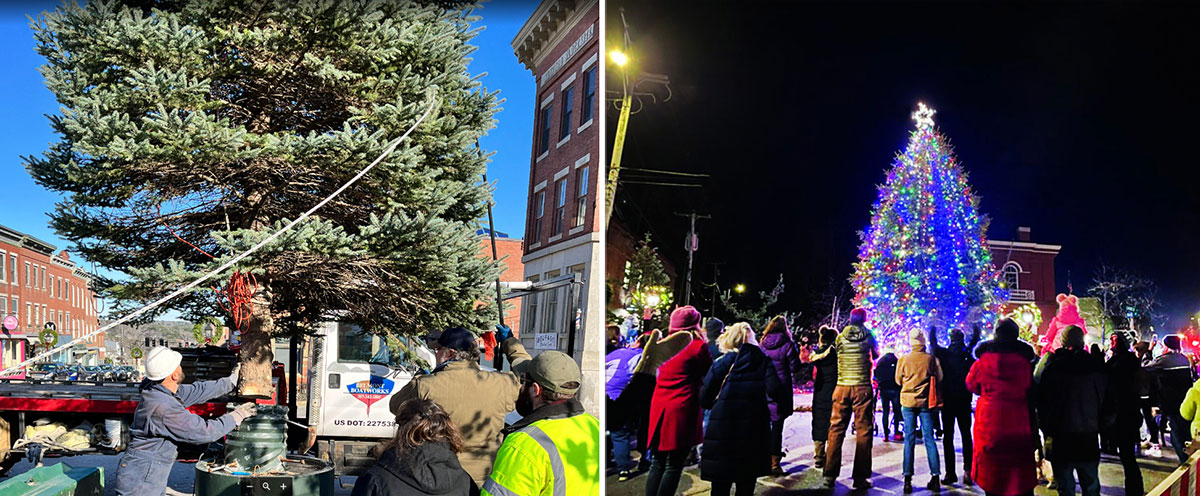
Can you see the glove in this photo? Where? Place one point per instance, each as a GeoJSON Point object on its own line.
{"type": "Point", "coordinates": [243, 412]}
{"type": "Point", "coordinates": [234, 376]}
{"type": "Point", "coordinates": [504, 332]}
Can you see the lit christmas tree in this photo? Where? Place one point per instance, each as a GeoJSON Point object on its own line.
{"type": "Point", "coordinates": [924, 260]}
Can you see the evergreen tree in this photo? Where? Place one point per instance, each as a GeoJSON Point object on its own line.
{"type": "Point", "coordinates": [924, 260]}
{"type": "Point", "coordinates": [646, 276]}
{"type": "Point", "coordinates": [213, 123]}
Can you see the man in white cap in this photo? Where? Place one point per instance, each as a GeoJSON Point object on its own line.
{"type": "Point", "coordinates": [162, 420]}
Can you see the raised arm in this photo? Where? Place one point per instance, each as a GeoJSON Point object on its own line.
{"type": "Point", "coordinates": [200, 392]}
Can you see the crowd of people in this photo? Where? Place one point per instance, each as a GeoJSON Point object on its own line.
{"type": "Point", "coordinates": [717, 395]}
{"type": "Point", "coordinates": [451, 437]}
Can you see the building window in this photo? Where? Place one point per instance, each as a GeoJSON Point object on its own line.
{"type": "Point", "coordinates": [3, 266]}
{"type": "Point", "coordinates": [544, 143]}
{"type": "Point", "coordinates": [51, 288]}
{"type": "Point", "coordinates": [531, 307]}
{"type": "Point", "coordinates": [29, 315]}
{"type": "Point", "coordinates": [44, 287]}
{"type": "Point", "coordinates": [3, 305]}
{"type": "Point", "coordinates": [14, 269]}
{"type": "Point", "coordinates": [564, 125]}
{"type": "Point", "coordinates": [1011, 272]}
{"type": "Point", "coordinates": [28, 281]}
{"type": "Point", "coordinates": [69, 322]}
{"type": "Point", "coordinates": [560, 206]}
{"type": "Point", "coordinates": [589, 96]}
{"type": "Point", "coordinates": [539, 211]}
{"type": "Point", "coordinates": [550, 319]}
{"type": "Point", "coordinates": [581, 177]}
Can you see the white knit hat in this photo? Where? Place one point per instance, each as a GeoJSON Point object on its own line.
{"type": "Point", "coordinates": [161, 362]}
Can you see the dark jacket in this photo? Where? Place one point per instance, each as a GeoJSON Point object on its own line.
{"type": "Point", "coordinates": [1071, 385]}
{"type": "Point", "coordinates": [785, 357]}
{"type": "Point", "coordinates": [885, 372]}
{"type": "Point", "coordinates": [429, 469]}
{"type": "Point", "coordinates": [1122, 401]}
{"type": "Point", "coordinates": [956, 362]}
{"type": "Point", "coordinates": [825, 374]}
{"type": "Point", "coordinates": [737, 441]}
{"type": "Point", "coordinates": [1174, 377]}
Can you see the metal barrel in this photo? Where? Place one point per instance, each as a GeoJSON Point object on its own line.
{"type": "Point", "coordinates": [261, 440]}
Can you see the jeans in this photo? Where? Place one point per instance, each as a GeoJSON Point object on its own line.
{"type": "Point", "coordinates": [910, 443]}
{"type": "Point", "coordinates": [1181, 433]}
{"type": "Point", "coordinates": [623, 440]}
{"type": "Point", "coordinates": [665, 470]}
{"type": "Point", "coordinates": [1126, 447]}
{"type": "Point", "coordinates": [859, 401]}
{"type": "Point", "coordinates": [1148, 416]}
{"type": "Point", "coordinates": [777, 437]}
{"type": "Point", "coordinates": [744, 487]}
{"type": "Point", "coordinates": [1089, 477]}
{"type": "Point", "coordinates": [891, 405]}
{"type": "Point", "coordinates": [960, 412]}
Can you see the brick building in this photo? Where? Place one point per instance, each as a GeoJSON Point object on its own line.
{"type": "Point", "coordinates": [41, 288]}
{"type": "Point", "coordinates": [560, 44]}
{"type": "Point", "coordinates": [509, 251]}
{"type": "Point", "coordinates": [1027, 269]}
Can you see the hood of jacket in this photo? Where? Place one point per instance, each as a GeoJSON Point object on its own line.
{"type": "Point", "coordinates": [917, 341]}
{"type": "Point", "coordinates": [431, 468]}
{"type": "Point", "coordinates": [775, 340]}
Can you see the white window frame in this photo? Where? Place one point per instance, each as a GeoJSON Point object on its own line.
{"type": "Point", "coordinates": [3, 266]}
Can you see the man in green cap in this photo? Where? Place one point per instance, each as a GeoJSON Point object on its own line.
{"type": "Point", "coordinates": [555, 448]}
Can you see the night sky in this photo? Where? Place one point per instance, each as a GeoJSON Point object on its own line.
{"type": "Point", "coordinates": [1078, 120]}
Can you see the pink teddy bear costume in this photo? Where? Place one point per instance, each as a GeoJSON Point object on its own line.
{"type": "Point", "coordinates": [1068, 314]}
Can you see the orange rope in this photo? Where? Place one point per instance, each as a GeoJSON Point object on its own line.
{"type": "Point", "coordinates": [240, 291]}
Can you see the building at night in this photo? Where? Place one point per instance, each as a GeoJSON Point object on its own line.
{"type": "Point", "coordinates": [560, 45]}
{"type": "Point", "coordinates": [39, 289]}
{"type": "Point", "coordinates": [1027, 271]}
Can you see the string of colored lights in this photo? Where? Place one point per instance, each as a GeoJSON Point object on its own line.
{"type": "Point", "coordinates": [924, 259]}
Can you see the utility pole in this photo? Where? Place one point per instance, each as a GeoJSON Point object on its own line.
{"type": "Point", "coordinates": [716, 284]}
{"type": "Point", "coordinates": [691, 247]}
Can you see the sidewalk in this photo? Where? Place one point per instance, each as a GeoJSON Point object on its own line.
{"type": "Point", "coordinates": [887, 460]}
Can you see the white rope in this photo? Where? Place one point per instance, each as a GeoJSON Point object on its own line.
{"type": "Point", "coordinates": [234, 260]}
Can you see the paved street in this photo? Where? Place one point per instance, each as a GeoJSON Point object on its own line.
{"type": "Point", "coordinates": [888, 479]}
{"type": "Point", "coordinates": [181, 482]}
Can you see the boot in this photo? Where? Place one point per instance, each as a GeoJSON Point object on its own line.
{"type": "Point", "coordinates": [934, 486]}
{"type": "Point", "coordinates": [818, 454]}
{"type": "Point", "coordinates": [775, 468]}
{"type": "Point", "coordinates": [908, 489]}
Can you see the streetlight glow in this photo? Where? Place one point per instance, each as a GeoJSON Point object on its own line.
{"type": "Point", "coordinates": [618, 58]}
{"type": "Point", "coordinates": [653, 300]}
{"type": "Point", "coordinates": [741, 288]}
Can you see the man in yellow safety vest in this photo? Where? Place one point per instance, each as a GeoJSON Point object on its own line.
{"type": "Point", "coordinates": [555, 449]}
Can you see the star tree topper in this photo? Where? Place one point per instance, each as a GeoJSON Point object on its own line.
{"type": "Point", "coordinates": [923, 115]}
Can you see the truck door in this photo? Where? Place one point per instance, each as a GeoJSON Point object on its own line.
{"type": "Point", "coordinates": [356, 392]}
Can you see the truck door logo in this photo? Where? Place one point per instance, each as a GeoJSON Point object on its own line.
{"type": "Point", "coordinates": [371, 390]}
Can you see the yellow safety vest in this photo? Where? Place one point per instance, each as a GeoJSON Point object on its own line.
{"type": "Point", "coordinates": [530, 462]}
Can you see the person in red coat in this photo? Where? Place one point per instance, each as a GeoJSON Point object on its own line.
{"type": "Point", "coordinates": [675, 418]}
{"type": "Point", "coordinates": [1003, 461]}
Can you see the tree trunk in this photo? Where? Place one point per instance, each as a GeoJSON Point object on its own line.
{"type": "Point", "coordinates": [257, 353]}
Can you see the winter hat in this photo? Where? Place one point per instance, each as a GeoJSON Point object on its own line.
{"type": "Point", "coordinates": [1007, 330]}
{"type": "Point", "coordinates": [916, 338]}
{"type": "Point", "coordinates": [685, 318]}
{"type": "Point", "coordinates": [456, 338]}
{"type": "Point", "coordinates": [162, 362]}
{"type": "Point", "coordinates": [713, 327]}
{"type": "Point", "coordinates": [858, 315]}
{"type": "Point", "coordinates": [1172, 342]}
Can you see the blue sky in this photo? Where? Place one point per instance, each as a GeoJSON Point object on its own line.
{"type": "Point", "coordinates": [24, 129]}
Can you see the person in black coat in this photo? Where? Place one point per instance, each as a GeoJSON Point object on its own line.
{"type": "Point", "coordinates": [422, 459]}
{"type": "Point", "coordinates": [1071, 385]}
{"type": "Point", "coordinates": [956, 362]}
{"type": "Point", "coordinates": [825, 374]}
{"type": "Point", "coordinates": [1122, 402]}
{"type": "Point", "coordinates": [737, 442]}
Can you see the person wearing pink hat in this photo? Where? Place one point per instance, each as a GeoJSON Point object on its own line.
{"type": "Point", "coordinates": [675, 418]}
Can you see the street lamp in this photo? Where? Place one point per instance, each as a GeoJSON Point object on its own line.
{"type": "Point", "coordinates": [652, 300]}
{"type": "Point", "coordinates": [1027, 318]}
{"type": "Point", "coordinates": [618, 57]}
{"type": "Point", "coordinates": [740, 288]}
